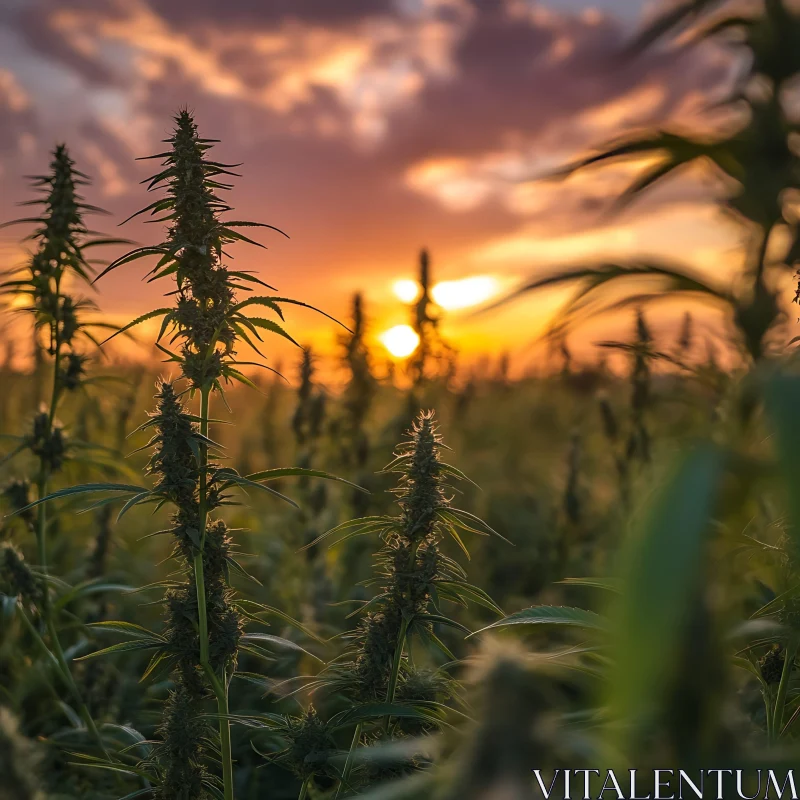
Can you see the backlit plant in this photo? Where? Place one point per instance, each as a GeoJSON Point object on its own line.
{"type": "Point", "coordinates": [433, 355]}
{"type": "Point", "coordinates": [63, 327]}
{"type": "Point", "coordinates": [414, 577]}
{"type": "Point", "coordinates": [208, 324]}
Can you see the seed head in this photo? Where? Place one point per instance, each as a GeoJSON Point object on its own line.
{"type": "Point", "coordinates": [180, 755]}
{"type": "Point", "coordinates": [18, 494]}
{"type": "Point", "coordinates": [310, 746]}
{"type": "Point", "coordinates": [16, 577]}
{"type": "Point", "coordinates": [771, 665]}
{"type": "Point", "coordinates": [71, 374]}
{"type": "Point", "coordinates": [409, 563]}
{"type": "Point", "coordinates": [46, 443]}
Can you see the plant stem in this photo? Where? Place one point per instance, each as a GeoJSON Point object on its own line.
{"type": "Point", "coordinates": [348, 764]}
{"type": "Point", "coordinates": [60, 663]}
{"type": "Point", "coordinates": [783, 686]}
{"type": "Point", "coordinates": [304, 789]}
{"type": "Point", "coordinates": [768, 712]}
{"type": "Point", "coordinates": [220, 687]}
{"type": "Point", "coordinates": [41, 540]}
{"type": "Point", "coordinates": [202, 613]}
{"type": "Point", "coordinates": [395, 674]}
{"type": "Point", "coordinates": [221, 692]}
{"type": "Point", "coordinates": [58, 656]}
{"type": "Point", "coordinates": [41, 484]}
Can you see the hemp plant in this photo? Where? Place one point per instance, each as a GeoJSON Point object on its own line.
{"type": "Point", "coordinates": [62, 329]}
{"type": "Point", "coordinates": [308, 427]}
{"type": "Point", "coordinates": [635, 444]}
{"type": "Point", "coordinates": [414, 576]}
{"type": "Point", "coordinates": [206, 326]}
{"type": "Point", "coordinates": [425, 320]}
{"type": "Point", "coordinates": [357, 399]}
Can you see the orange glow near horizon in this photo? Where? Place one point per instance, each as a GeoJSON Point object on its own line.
{"type": "Point", "coordinates": [451, 295]}
{"type": "Point", "coordinates": [466, 292]}
{"type": "Point", "coordinates": [401, 340]}
{"type": "Point", "coordinates": [406, 290]}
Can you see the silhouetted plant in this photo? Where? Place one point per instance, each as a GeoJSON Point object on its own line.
{"type": "Point", "coordinates": [308, 424]}
{"type": "Point", "coordinates": [433, 351]}
{"type": "Point", "coordinates": [754, 151]}
{"type": "Point", "coordinates": [64, 322]}
{"type": "Point", "coordinates": [204, 628]}
{"type": "Point", "coordinates": [353, 448]}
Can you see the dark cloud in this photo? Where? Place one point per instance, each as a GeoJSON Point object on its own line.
{"type": "Point", "coordinates": [258, 12]}
{"type": "Point", "coordinates": [511, 81]}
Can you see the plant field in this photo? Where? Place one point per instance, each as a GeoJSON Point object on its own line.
{"type": "Point", "coordinates": [219, 582]}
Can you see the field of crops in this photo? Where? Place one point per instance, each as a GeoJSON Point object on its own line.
{"type": "Point", "coordinates": [217, 582]}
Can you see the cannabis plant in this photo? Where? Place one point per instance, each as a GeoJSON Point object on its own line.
{"type": "Point", "coordinates": [308, 425]}
{"type": "Point", "coordinates": [414, 577]}
{"type": "Point", "coordinates": [63, 327]}
{"type": "Point", "coordinates": [357, 400]}
{"type": "Point", "coordinates": [433, 351]}
{"type": "Point", "coordinates": [204, 331]}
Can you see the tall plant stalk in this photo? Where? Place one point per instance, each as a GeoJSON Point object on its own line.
{"type": "Point", "coordinates": [61, 238]}
{"type": "Point", "coordinates": [205, 623]}
{"type": "Point", "coordinates": [414, 576]}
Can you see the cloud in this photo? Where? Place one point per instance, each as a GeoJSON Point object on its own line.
{"type": "Point", "coordinates": [377, 64]}
{"type": "Point", "coordinates": [368, 128]}
{"type": "Point", "coordinates": [17, 118]}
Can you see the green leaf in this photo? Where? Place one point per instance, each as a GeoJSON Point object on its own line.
{"type": "Point", "coordinates": [286, 472]}
{"type": "Point", "coordinates": [551, 615]}
{"type": "Point", "coordinates": [453, 533]}
{"type": "Point", "coordinates": [781, 396]}
{"type": "Point", "coordinates": [379, 711]}
{"type": "Point", "coordinates": [590, 280]}
{"type": "Point", "coordinates": [278, 641]}
{"type": "Point", "coordinates": [468, 521]}
{"type": "Point", "coordinates": [251, 606]}
{"type": "Point", "coordinates": [440, 619]}
{"type": "Point", "coordinates": [244, 275]}
{"type": "Point", "coordinates": [129, 628]}
{"type": "Point", "coordinates": [468, 592]}
{"type": "Point", "coordinates": [140, 252]}
{"type": "Point", "coordinates": [608, 584]}
{"type": "Point", "coordinates": [269, 325]}
{"type": "Point", "coordinates": [159, 312]}
{"type": "Point", "coordinates": [231, 477]}
{"type": "Point", "coordinates": [83, 489]}
{"type": "Point", "coordinates": [238, 223]}
{"type": "Point", "coordinates": [134, 501]}
{"type": "Point", "coordinates": [139, 644]}
{"type": "Point", "coordinates": [365, 527]}
{"type": "Point", "coordinates": [238, 376]}
{"type": "Point", "coordinates": [662, 566]}
{"type": "Point", "coordinates": [89, 588]}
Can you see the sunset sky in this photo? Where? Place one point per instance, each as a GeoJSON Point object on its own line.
{"type": "Point", "coordinates": [368, 129]}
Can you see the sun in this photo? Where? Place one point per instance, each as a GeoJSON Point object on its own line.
{"type": "Point", "coordinates": [466, 292]}
{"type": "Point", "coordinates": [401, 340]}
{"type": "Point", "coordinates": [406, 290]}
